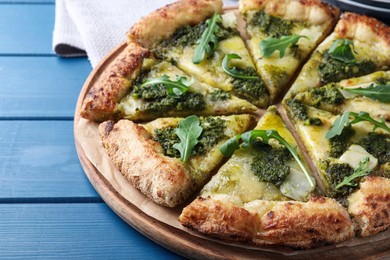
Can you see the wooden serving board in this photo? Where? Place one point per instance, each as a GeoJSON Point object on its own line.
{"type": "Point", "coordinates": [184, 242]}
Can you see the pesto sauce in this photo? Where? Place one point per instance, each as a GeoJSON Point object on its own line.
{"type": "Point", "coordinates": [188, 36]}
{"type": "Point", "coordinates": [340, 143]}
{"type": "Point", "coordinates": [270, 163]}
{"type": "Point", "coordinates": [213, 132]}
{"type": "Point", "coordinates": [299, 112]}
{"type": "Point", "coordinates": [332, 70]}
{"type": "Point", "coordinates": [249, 89]}
{"type": "Point", "coordinates": [335, 173]}
{"type": "Point", "coordinates": [378, 145]}
{"type": "Point", "coordinates": [271, 25]}
{"type": "Point", "coordinates": [219, 95]}
{"type": "Point", "coordinates": [328, 94]}
{"type": "Point", "coordinates": [157, 99]}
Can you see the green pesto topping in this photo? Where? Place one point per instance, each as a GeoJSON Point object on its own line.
{"type": "Point", "coordinates": [157, 99]}
{"type": "Point", "coordinates": [335, 174]}
{"type": "Point", "coordinates": [328, 94]}
{"type": "Point", "coordinates": [332, 70]}
{"type": "Point", "coordinates": [188, 36]}
{"type": "Point", "coordinates": [250, 89]}
{"type": "Point", "coordinates": [340, 143]}
{"type": "Point", "coordinates": [270, 163]}
{"type": "Point", "coordinates": [213, 132]}
{"type": "Point", "coordinates": [219, 95]}
{"type": "Point", "coordinates": [382, 81]}
{"type": "Point", "coordinates": [299, 112]}
{"type": "Point", "coordinates": [378, 145]}
{"type": "Point", "coordinates": [271, 25]}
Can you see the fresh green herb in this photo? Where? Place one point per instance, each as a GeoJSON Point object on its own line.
{"type": "Point", "coordinates": [270, 44]}
{"type": "Point", "coordinates": [174, 88]}
{"type": "Point", "coordinates": [247, 138]}
{"type": "Point", "coordinates": [359, 172]}
{"type": "Point", "coordinates": [208, 42]}
{"type": "Point", "coordinates": [234, 72]}
{"type": "Point", "coordinates": [188, 131]}
{"type": "Point", "coordinates": [344, 121]}
{"type": "Point", "coordinates": [335, 174]}
{"type": "Point", "coordinates": [342, 50]}
{"type": "Point", "coordinates": [377, 92]}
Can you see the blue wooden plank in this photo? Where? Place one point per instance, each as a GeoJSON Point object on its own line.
{"type": "Point", "coordinates": [38, 160]}
{"type": "Point", "coordinates": [26, 28]}
{"type": "Point", "coordinates": [71, 231]}
{"type": "Point", "coordinates": [41, 86]}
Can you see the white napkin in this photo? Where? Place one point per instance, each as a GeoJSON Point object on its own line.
{"type": "Point", "coordinates": [94, 27]}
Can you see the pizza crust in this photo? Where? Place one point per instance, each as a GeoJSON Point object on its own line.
{"type": "Point", "coordinates": [370, 205]}
{"type": "Point", "coordinates": [319, 221]}
{"type": "Point", "coordinates": [162, 23]}
{"type": "Point", "coordinates": [310, 11]}
{"type": "Point", "coordinates": [113, 84]}
{"type": "Point", "coordinates": [141, 160]}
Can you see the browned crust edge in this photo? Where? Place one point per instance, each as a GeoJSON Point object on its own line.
{"type": "Point", "coordinates": [349, 22]}
{"type": "Point", "coordinates": [277, 7]}
{"type": "Point", "coordinates": [370, 205]}
{"type": "Point", "coordinates": [163, 22]}
{"type": "Point", "coordinates": [141, 161]}
{"type": "Point", "coordinates": [114, 83]}
{"type": "Point", "coordinates": [318, 222]}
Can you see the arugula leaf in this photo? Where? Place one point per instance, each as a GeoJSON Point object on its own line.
{"type": "Point", "coordinates": [361, 171]}
{"type": "Point", "coordinates": [342, 50]}
{"type": "Point", "coordinates": [338, 126]}
{"type": "Point", "coordinates": [343, 121]}
{"type": "Point", "coordinates": [174, 88]}
{"type": "Point", "coordinates": [270, 44]}
{"type": "Point", "coordinates": [233, 71]}
{"type": "Point", "coordinates": [247, 138]}
{"type": "Point", "coordinates": [208, 42]}
{"type": "Point", "coordinates": [188, 132]}
{"type": "Point", "coordinates": [377, 92]}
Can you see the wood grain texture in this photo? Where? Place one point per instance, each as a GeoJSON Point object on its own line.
{"type": "Point", "coordinates": [26, 29]}
{"type": "Point", "coordinates": [71, 231]}
{"type": "Point", "coordinates": [40, 86]}
{"type": "Point", "coordinates": [39, 160]}
{"type": "Point", "coordinates": [184, 243]}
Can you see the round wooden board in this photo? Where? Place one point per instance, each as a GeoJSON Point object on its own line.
{"type": "Point", "coordinates": [184, 243]}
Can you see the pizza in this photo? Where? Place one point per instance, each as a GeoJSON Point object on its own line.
{"type": "Point", "coordinates": [190, 108]}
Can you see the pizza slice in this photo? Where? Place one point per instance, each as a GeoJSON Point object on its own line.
{"type": "Point", "coordinates": [264, 194]}
{"type": "Point", "coordinates": [282, 34]}
{"type": "Point", "coordinates": [352, 155]}
{"type": "Point", "coordinates": [370, 93]}
{"type": "Point", "coordinates": [138, 87]}
{"type": "Point", "coordinates": [210, 49]}
{"type": "Point", "coordinates": [170, 158]}
{"type": "Point", "coordinates": [359, 45]}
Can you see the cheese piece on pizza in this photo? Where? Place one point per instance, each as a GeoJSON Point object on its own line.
{"type": "Point", "coordinates": [148, 157]}
{"type": "Point", "coordinates": [355, 95]}
{"type": "Point", "coordinates": [276, 19]}
{"type": "Point", "coordinates": [251, 199]}
{"type": "Point", "coordinates": [180, 42]}
{"type": "Point", "coordinates": [122, 91]}
{"type": "Point", "coordinates": [371, 52]}
{"type": "Point", "coordinates": [341, 156]}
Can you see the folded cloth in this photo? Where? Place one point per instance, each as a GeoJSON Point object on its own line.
{"type": "Point", "coordinates": [94, 27]}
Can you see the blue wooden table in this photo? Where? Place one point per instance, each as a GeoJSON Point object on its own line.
{"type": "Point", "coordinates": [48, 209]}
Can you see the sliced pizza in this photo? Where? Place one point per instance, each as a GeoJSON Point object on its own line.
{"type": "Point", "coordinates": [264, 194]}
{"type": "Point", "coordinates": [359, 45]}
{"type": "Point", "coordinates": [170, 158]}
{"type": "Point", "coordinates": [282, 34]}
{"type": "Point", "coordinates": [369, 93]}
{"type": "Point", "coordinates": [210, 49]}
{"type": "Point", "coordinates": [345, 149]}
{"type": "Point", "coordinates": [142, 88]}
